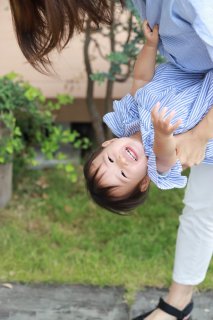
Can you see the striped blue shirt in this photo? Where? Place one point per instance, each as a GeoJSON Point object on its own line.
{"type": "Point", "coordinates": [189, 94]}
{"type": "Point", "coordinates": [185, 28]}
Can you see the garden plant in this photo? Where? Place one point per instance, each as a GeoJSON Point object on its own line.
{"type": "Point", "coordinates": [27, 122]}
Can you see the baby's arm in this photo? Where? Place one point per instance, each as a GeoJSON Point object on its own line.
{"type": "Point", "coordinates": [164, 140]}
{"type": "Point", "coordinates": [144, 68]}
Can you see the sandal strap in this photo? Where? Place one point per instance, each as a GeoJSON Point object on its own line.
{"type": "Point", "coordinates": [179, 314]}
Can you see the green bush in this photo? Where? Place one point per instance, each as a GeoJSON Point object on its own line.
{"type": "Point", "coordinates": [27, 122]}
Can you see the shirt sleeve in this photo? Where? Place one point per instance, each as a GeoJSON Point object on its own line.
{"type": "Point", "coordinates": [140, 5]}
{"type": "Point", "coordinates": [124, 112]}
{"type": "Point", "coordinates": [169, 180]}
{"type": "Point", "coordinates": [200, 15]}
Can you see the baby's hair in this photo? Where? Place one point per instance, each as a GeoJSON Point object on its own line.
{"type": "Point", "coordinates": [103, 195]}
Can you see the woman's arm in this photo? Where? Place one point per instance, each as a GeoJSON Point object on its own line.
{"type": "Point", "coordinates": [144, 68]}
{"type": "Point", "coordinates": [205, 127]}
{"type": "Point", "coordinates": [164, 141]}
{"type": "Point", "coordinates": [191, 145]}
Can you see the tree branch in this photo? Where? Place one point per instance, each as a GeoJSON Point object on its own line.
{"type": "Point", "coordinates": [98, 48]}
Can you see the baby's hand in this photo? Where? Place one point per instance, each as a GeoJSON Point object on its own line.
{"type": "Point", "coordinates": [151, 36]}
{"type": "Point", "coordinates": [162, 125]}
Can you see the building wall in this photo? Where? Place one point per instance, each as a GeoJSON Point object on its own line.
{"type": "Point", "coordinates": [69, 64]}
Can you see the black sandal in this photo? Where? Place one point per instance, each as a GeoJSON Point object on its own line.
{"type": "Point", "coordinates": [164, 306]}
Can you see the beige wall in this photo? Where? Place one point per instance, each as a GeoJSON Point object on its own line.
{"type": "Point", "coordinates": [69, 65]}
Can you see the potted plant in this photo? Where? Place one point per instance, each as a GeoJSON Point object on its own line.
{"type": "Point", "coordinates": [27, 122]}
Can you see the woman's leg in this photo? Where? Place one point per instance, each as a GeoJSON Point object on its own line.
{"type": "Point", "coordinates": [194, 246]}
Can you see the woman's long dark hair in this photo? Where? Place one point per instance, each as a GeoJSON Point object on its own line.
{"type": "Point", "coordinates": [42, 25]}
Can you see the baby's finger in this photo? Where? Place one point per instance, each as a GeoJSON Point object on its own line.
{"type": "Point", "coordinates": [163, 113]}
{"type": "Point", "coordinates": [155, 110]}
{"type": "Point", "coordinates": [176, 125]}
{"type": "Point", "coordinates": [169, 117]}
{"type": "Point", "coordinates": [156, 28]}
{"type": "Point", "coordinates": [146, 26]}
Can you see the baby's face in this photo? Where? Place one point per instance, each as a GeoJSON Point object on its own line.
{"type": "Point", "coordinates": [122, 164]}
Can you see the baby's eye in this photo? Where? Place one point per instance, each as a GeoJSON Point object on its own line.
{"type": "Point", "coordinates": [123, 174]}
{"type": "Point", "coordinates": [110, 159]}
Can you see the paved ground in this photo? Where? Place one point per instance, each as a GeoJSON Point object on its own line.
{"type": "Point", "coordinates": [84, 303]}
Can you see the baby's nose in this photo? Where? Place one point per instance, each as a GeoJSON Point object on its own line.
{"type": "Point", "coordinates": [122, 160]}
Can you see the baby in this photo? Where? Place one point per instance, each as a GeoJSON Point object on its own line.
{"type": "Point", "coordinates": [118, 174]}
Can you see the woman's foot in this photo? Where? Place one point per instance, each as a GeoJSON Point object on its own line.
{"type": "Point", "coordinates": [159, 315]}
{"type": "Point", "coordinates": [179, 296]}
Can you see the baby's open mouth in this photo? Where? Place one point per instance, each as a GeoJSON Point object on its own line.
{"type": "Point", "coordinates": [132, 153]}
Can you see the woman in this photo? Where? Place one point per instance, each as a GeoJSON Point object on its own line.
{"type": "Point", "coordinates": [186, 32]}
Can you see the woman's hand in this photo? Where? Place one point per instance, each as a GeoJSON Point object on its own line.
{"type": "Point", "coordinates": [191, 145]}
{"type": "Point", "coordinates": [190, 148]}
{"type": "Point", "coordinates": [152, 36]}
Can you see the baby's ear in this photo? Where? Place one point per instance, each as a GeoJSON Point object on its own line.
{"type": "Point", "coordinates": [107, 142]}
{"type": "Point", "coordinates": [144, 183]}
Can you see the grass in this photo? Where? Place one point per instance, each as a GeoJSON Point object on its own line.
{"type": "Point", "coordinates": [51, 232]}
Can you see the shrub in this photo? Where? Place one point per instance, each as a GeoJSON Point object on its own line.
{"type": "Point", "coordinates": [27, 122]}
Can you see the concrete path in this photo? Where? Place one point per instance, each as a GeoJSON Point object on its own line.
{"type": "Point", "coordinates": [45, 302]}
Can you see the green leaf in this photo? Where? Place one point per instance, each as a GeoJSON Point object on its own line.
{"type": "Point", "coordinates": [64, 99]}
{"type": "Point", "coordinates": [69, 168]}
{"type": "Point", "coordinates": [118, 57]}
{"type": "Point", "coordinates": [100, 77]}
